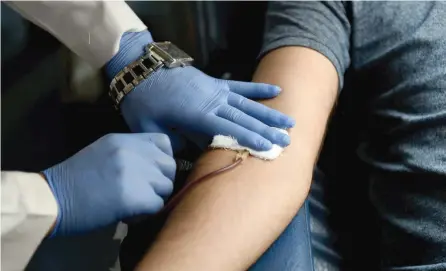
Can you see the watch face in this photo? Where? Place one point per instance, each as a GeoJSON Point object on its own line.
{"type": "Point", "coordinates": [171, 55]}
{"type": "Point", "coordinates": [172, 50]}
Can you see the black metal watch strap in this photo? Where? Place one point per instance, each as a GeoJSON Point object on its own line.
{"type": "Point", "coordinates": [131, 76]}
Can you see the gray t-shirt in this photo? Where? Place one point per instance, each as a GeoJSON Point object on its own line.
{"type": "Point", "coordinates": [397, 50]}
{"type": "Point", "coordinates": [392, 56]}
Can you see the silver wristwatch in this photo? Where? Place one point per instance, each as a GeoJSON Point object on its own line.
{"type": "Point", "coordinates": [158, 55]}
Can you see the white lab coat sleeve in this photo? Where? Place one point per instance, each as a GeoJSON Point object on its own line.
{"type": "Point", "coordinates": [28, 211]}
{"type": "Point", "coordinates": [91, 29]}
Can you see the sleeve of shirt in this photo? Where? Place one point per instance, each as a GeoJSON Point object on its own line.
{"type": "Point", "coordinates": [28, 211]}
{"type": "Point", "coordinates": [91, 29]}
{"type": "Point", "coordinates": [321, 26]}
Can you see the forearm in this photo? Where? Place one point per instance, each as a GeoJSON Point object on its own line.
{"type": "Point", "coordinates": [228, 222]}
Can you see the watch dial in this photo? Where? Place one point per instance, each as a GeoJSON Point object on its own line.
{"type": "Point", "coordinates": [173, 51]}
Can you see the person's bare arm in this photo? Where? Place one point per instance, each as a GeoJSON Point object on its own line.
{"type": "Point", "coordinates": [228, 222]}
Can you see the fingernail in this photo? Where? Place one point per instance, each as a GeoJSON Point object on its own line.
{"type": "Point", "coordinates": [290, 122]}
{"type": "Point", "coordinates": [286, 140]}
{"type": "Point", "coordinates": [265, 145]}
{"type": "Point", "coordinates": [278, 89]}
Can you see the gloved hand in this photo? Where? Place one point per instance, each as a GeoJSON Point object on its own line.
{"type": "Point", "coordinates": [116, 177]}
{"type": "Point", "coordinates": [191, 101]}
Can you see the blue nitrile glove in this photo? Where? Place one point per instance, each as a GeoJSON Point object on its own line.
{"type": "Point", "coordinates": [191, 101]}
{"type": "Point", "coordinates": [116, 177]}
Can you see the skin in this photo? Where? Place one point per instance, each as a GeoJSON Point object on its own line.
{"type": "Point", "coordinates": [228, 222]}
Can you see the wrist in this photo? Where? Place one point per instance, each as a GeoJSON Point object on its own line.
{"type": "Point", "coordinates": [131, 47]}
{"type": "Point", "coordinates": [48, 176]}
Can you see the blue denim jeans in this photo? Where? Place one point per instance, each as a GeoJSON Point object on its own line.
{"type": "Point", "coordinates": [309, 242]}
{"type": "Point", "coordinates": [292, 250]}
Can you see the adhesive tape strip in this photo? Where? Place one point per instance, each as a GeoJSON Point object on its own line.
{"type": "Point", "coordinates": [230, 143]}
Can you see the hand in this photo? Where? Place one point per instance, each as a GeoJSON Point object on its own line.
{"type": "Point", "coordinates": [189, 100]}
{"type": "Point", "coordinates": [118, 176]}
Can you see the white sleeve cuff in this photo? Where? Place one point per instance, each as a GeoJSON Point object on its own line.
{"type": "Point", "coordinates": [28, 211]}
{"type": "Point", "coordinates": [105, 36]}
{"type": "Point", "coordinates": [91, 29]}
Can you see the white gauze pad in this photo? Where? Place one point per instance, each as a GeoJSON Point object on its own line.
{"type": "Point", "coordinates": [227, 142]}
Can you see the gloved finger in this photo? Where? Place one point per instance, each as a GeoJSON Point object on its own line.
{"type": "Point", "coordinates": [163, 159]}
{"type": "Point", "coordinates": [166, 165]}
{"type": "Point", "coordinates": [178, 143]}
{"type": "Point", "coordinates": [254, 125]}
{"type": "Point", "coordinates": [162, 185]}
{"type": "Point", "coordinates": [269, 116]}
{"type": "Point", "coordinates": [144, 207]}
{"type": "Point", "coordinates": [253, 90]}
{"type": "Point", "coordinates": [219, 126]}
{"type": "Point", "coordinates": [148, 202]}
{"type": "Point", "coordinates": [160, 140]}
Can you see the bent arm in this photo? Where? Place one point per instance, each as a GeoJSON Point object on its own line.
{"type": "Point", "coordinates": [91, 29]}
{"type": "Point", "coordinates": [228, 222]}
{"type": "Point", "coordinates": [29, 210]}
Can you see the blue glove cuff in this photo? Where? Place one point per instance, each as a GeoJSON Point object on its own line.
{"type": "Point", "coordinates": [56, 228]}
{"type": "Point", "coordinates": [131, 47]}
